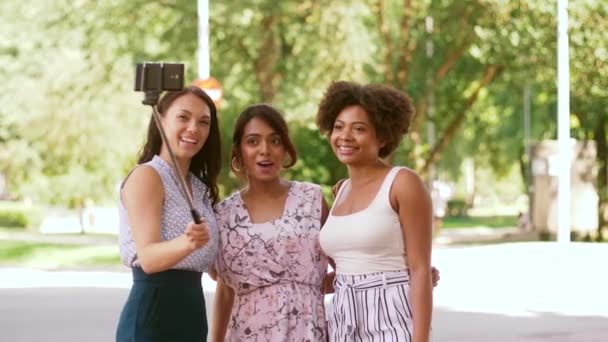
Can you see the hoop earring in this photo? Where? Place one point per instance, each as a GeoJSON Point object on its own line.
{"type": "Point", "coordinates": [232, 165]}
{"type": "Point", "coordinates": [286, 163]}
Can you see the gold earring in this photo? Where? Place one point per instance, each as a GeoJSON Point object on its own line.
{"type": "Point", "coordinates": [286, 164]}
{"type": "Point", "coordinates": [232, 165]}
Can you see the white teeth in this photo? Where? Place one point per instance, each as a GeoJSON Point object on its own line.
{"type": "Point", "coordinates": [188, 140]}
{"type": "Point", "coordinates": [346, 149]}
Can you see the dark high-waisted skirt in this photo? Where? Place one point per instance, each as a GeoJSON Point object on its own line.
{"type": "Point", "coordinates": [164, 306]}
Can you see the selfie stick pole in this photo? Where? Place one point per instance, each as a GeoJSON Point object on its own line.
{"type": "Point", "coordinates": [182, 182]}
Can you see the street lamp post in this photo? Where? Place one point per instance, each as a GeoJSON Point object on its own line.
{"type": "Point", "coordinates": [203, 39]}
{"type": "Point", "coordinates": [563, 124]}
{"type": "Point", "coordinates": [210, 85]}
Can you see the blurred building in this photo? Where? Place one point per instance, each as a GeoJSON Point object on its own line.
{"type": "Point", "coordinates": [584, 196]}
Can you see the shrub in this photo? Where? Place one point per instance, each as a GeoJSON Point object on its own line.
{"type": "Point", "coordinates": [457, 207]}
{"type": "Point", "coordinates": [9, 218]}
{"type": "Point", "coordinates": [19, 215]}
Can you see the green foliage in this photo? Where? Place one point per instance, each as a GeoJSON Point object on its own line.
{"type": "Point", "coordinates": [458, 207]}
{"type": "Point", "coordinates": [53, 256]}
{"type": "Point", "coordinates": [72, 129]}
{"type": "Point", "coordinates": [70, 125]}
{"type": "Point", "coordinates": [479, 221]}
{"type": "Point", "coordinates": [18, 215]}
{"type": "Point", "coordinates": [10, 218]}
{"type": "Point", "coordinates": [316, 161]}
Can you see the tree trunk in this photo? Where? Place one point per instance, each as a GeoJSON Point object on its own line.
{"type": "Point", "coordinates": [490, 73]}
{"type": "Point", "coordinates": [265, 65]}
{"type": "Point", "coordinates": [523, 169]}
{"type": "Point", "coordinates": [447, 65]}
{"type": "Point", "coordinates": [601, 145]}
{"type": "Point", "coordinates": [407, 45]}
{"type": "Point", "coordinates": [387, 68]}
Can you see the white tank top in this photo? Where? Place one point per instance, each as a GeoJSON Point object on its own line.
{"type": "Point", "coordinates": [369, 240]}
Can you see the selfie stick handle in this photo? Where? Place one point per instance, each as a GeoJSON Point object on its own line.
{"type": "Point", "coordinates": [182, 182]}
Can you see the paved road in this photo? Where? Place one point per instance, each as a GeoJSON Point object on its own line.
{"type": "Point", "coordinates": [505, 293]}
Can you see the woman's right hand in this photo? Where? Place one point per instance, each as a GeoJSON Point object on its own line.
{"type": "Point", "coordinates": [197, 235]}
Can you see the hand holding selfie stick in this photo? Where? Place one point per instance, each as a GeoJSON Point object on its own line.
{"type": "Point", "coordinates": [153, 78]}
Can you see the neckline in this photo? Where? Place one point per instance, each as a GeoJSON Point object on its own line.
{"type": "Point", "coordinates": [369, 205]}
{"type": "Point", "coordinates": [283, 213]}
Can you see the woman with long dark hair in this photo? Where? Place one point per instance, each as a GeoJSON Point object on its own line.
{"type": "Point", "coordinates": [166, 251]}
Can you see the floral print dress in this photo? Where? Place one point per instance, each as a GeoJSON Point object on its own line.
{"type": "Point", "coordinates": [275, 269]}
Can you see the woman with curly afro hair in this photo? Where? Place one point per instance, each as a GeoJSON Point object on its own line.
{"type": "Point", "coordinates": [379, 230]}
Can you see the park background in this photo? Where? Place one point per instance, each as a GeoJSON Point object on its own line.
{"type": "Point", "coordinates": [482, 74]}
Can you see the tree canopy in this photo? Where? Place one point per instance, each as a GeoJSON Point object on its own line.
{"type": "Point", "coordinates": [71, 124]}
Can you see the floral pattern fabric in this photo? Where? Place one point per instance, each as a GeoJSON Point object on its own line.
{"type": "Point", "coordinates": [275, 269]}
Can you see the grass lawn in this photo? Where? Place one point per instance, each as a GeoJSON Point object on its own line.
{"type": "Point", "coordinates": [53, 256]}
{"type": "Point", "coordinates": [480, 221]}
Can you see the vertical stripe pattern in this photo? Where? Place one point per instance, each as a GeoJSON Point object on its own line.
{"type": "Point", "coordinates": [371, 307]}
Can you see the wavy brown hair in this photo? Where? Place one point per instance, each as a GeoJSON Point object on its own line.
{"type": "Point", "coordinates": [389, 110]}
{"type": "Point", "coordinates": [207, 163]}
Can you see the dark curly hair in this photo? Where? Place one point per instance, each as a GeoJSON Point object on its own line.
{"type": "Point", "coordinates": [206, 164]}
{"type": "Point", "coordinates": [389, 110]}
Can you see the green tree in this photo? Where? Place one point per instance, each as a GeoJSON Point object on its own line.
{"type": "Point", "coordinates": [74, 123]}
{"type": "Point", "coordinates": [589, 87]}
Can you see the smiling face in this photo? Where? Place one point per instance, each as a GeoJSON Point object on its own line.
{"type": "Point", "coordinates": [353, 137]}
{"type": "Point", "coordinates": [186, 123]}
{"type": "Point", "coordinates": [262, 152]}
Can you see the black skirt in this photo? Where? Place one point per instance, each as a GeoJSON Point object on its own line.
{"type": "Point", "coordinates": [164, 306]}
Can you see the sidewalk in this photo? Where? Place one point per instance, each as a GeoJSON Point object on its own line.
{"type": "Point", "coordinates": [452, 236]}
{"type": "Point", "coordinates": [508, 292]}
{"type": "Point", "coordinates": [514, 279]}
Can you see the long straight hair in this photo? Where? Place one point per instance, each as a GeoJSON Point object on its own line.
{"type": "Point", "coordinates": [207, 163]}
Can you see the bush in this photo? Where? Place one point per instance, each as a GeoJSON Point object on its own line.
{"type": "Point", "coordinates": [10, 218]}
{"type": "Point", "coordinates": [457, 207]}
{"type": "Point", "coordinates": [19, 215]}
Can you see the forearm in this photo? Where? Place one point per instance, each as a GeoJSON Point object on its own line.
{"type": "Point", "coordinates": [422, 303]}
{"type": "Point", "coordinates": [327, 285]}
{"type": "Point", "coordinates": [222, 309]}
{"type": "Point", "coordinates": [161, 256]}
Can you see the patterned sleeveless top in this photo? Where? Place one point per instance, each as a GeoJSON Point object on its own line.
{"type": "Point", "coordinates": [174, 219]}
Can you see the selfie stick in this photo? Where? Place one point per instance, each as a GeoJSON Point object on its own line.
{"type": "Point", "coordinates": [182, 182]}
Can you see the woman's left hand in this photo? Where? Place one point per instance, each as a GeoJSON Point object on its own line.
{"type": "Point", "coordinates": [435, 276]}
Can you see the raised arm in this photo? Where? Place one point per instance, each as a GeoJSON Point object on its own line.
{"type": "Point", "coordinates": [414, 206]}
{"type": "Point", "coordinates": [143, 197]}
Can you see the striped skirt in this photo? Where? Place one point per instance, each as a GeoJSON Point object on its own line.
{"type": "Point", "coordinates": [371, 307]}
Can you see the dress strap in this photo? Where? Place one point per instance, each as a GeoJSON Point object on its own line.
{"type": "Point", "coordinates": [383, 194]}
{"type": "Point", "coordinates": [339, 193]}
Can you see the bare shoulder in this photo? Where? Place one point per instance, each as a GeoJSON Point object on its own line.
{"type": "Point", "coordinates": [143, 181]}
{"type": "Point", "coordinates": [408, 185]}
